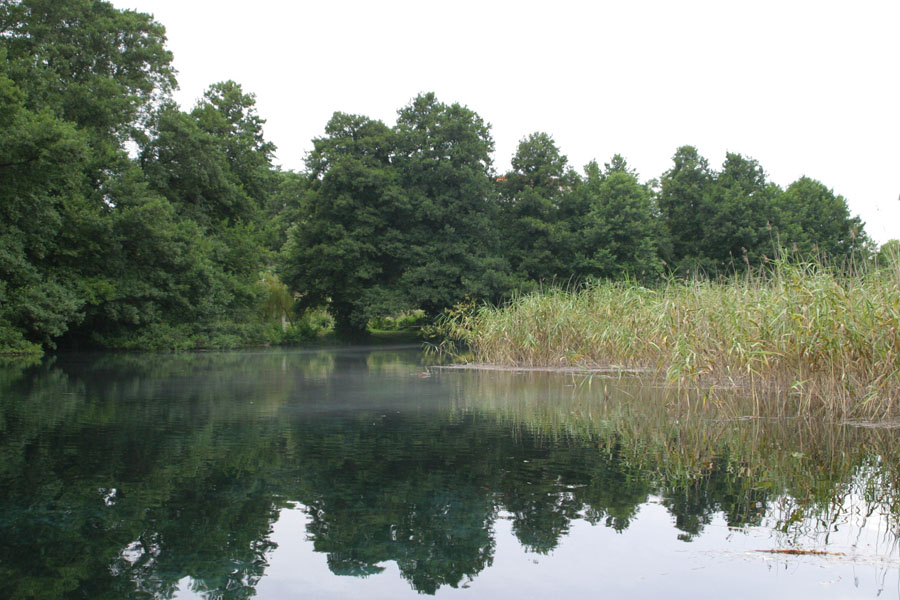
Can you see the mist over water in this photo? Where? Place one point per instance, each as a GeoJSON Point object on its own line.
{"type": "Point", "coordinates": [361, 472]}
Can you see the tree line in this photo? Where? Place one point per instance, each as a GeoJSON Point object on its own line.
{"type": "Point", "coordinates": [127, 222]}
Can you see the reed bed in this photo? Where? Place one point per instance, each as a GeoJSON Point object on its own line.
{"type": "Point", "coordinates": [828, 337]}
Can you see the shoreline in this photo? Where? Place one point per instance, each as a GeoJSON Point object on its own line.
{"type": "Point", "coordinates": [574, 370]}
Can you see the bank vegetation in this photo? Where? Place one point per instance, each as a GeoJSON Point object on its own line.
{"type": "Point", "coordinates": [827, 336]}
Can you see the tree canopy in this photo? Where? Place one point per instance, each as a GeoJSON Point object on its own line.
{"type": "Point", "coordinates": [444, 159]}
{"type": "Point", "coordinates": [348, 247]}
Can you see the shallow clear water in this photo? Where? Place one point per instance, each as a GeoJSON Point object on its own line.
{"type": "Point", "coordinates": [362, 473]}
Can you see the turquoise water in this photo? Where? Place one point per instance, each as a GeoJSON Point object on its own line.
{"type": "Point", "coordinates": [362, 473]}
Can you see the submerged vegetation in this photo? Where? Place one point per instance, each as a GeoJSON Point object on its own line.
{"type": "Point", "coordinates": [798, 328]}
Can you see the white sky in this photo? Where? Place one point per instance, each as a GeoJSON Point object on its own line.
{"type": "Point", "coordinates": [804, 87]}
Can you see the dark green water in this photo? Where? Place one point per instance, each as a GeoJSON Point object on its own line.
{"type": "Point", "coordinates": [359, 473]}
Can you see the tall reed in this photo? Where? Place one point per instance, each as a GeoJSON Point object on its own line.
{"type": "Point", "coordinates": [831, 337]}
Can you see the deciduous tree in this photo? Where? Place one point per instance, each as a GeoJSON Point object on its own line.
{"type": "Point", "coordinates": [444, 157]}
{"type": "Point", "coordinates": [684, 192]}
{"type": "Point", "coordinates": [533, 233]}
{"type": "Point", "coordinates": [816, 223]}
{"type": "Point", "coordinates": [349, 248]}
{"type": "Point", "coordinates": [620, 234]}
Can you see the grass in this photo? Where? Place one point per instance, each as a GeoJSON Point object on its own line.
{"type": "Point", "coordinates": [829, 337]}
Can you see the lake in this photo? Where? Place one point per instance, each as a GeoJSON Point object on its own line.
{"type": "Point", "coordinates": [361, 472]}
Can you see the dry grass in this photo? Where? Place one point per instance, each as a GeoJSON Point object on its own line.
{"type": "Point", "coordinates": [830, 338]}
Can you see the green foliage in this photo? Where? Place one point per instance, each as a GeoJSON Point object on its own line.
{"type": "Point", "coordinates": [164, 276]}
{"type": "Point", "coordinates": [349, 249]}
{"type": "Point", "coordinates": [189, 167]}
{"type": "Point", "coordinates": [444, 158]}
{"type": "Point", "coordinates": [277, 301]}
{"type": "Point", "coordinates": [729, 220]}
{"type": "Point", "coordinates": [168, 250]}
{"type": "Point", "coordinates": [212, 163]}
{"type": "Point", "coordinates": [889, 254]}
{"type": "Point", "coordinates": [93, 246]}
{"type": "Point", "coordinates": [619, 235]}
{"type": "Point", "coordinates": [718, 221]}
{"type": "Point", "coordinates": [534, 236]}
{"type": "Point", "coordinates": [187, 244]}
{"type": "Point", "coordinates": [816, 224]}
{"type": "Point", "coordinates": [68, 112]}
{"type": "Point", "coordinates": [283, 208]}
{"type": "Point", "coordinates": [396, 218]}
{"type": "Point", "coordinates": [414, 319]}
{"type": "Point", "coordinates": [684, 190]}
{"type": "Point", "coordinates": [307, 326]}
{"type": "Point", "coordinates": [740, 213]}
{"type": "Point", "coordinates": [13, 343]}
{"type": "Point", "coordinates": [89, 63]}
{"type": "Point", "coordinates": [41, 161]}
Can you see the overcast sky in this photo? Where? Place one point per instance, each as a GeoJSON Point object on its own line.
{"type": "Point", "coordinates": [804, 87]}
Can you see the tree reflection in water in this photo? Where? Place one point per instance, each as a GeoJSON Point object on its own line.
{"type": "Point", "coordinates": [121, 475]}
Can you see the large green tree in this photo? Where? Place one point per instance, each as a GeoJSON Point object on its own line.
{"type": "Point", "coordinates": [816, 223]}
{"type": "Point", "coordinates": [97, 247]}
{"type": "Point", "coordinates": [444, 157]}
{"type": "Point", "coordinates": [40, 195]}
{"type": "Point", "coordinates": [741, 216]}
{"type": "Point", "coordinates": [283, 207]}
{"type": "Point", "coordinates": [684, 192]}
{"type": "Point", "coordinates": [349, 248]}
{"type": "Point", "coordinates": [79, 79]}
{"type": "Point", "coordinates": [189, 166]}
{"type": "Point", "coordinates": [213, 163]}
{"type": "Point", "coordinates": [619, 234]}
{"type": "Point", "coordinates": [90, 63]}
{"type": "Point", "coordinates": [533, 234]}
{"type": "Point", "coordinates": [718, 221]}
{"type": "Point", "coordinates": [230, 114]}
{"type": "Point", "coordinates": [189, 244]}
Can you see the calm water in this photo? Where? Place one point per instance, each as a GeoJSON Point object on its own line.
{"type": "Point", "coordinates": [360, 473]}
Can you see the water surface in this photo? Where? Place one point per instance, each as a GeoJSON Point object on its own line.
{"type": "Point", "coordinates": [360, 472]}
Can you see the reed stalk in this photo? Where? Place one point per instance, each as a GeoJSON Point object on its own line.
{"type": "Point", "coordinates": [806, 330]}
